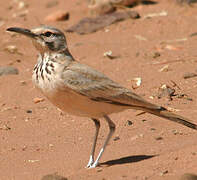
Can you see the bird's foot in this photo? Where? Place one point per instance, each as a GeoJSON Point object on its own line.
{"type": "Point", "coordinates": [90, 163]}
{"type": "Point", "coordinates": [95, 164]}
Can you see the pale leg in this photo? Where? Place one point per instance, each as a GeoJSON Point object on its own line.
{"type": "Point", "coordinates": [97, 125]}
{"type": "Point", "coordinates": [112, 127]}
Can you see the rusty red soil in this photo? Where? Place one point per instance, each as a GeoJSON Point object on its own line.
{"type": "Point", "coordinates": [46, 141]}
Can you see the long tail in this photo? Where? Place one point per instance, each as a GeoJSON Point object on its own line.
{"type": "Point", "coordinates": [164, 113]}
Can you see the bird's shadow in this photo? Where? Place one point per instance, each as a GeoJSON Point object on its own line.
{"type": "Point", "coordinates": [128, 159]}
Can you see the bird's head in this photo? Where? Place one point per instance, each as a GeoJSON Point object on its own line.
{"type": "Point", "coordinates": [44, 38]}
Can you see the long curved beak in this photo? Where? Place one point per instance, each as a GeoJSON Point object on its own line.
{"type": "Point", "coordinates": [23, 31]}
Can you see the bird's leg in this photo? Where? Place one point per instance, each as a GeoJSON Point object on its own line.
{"type": "Point", "coordinates": [97, 125]}
{"type": "Point", "coordinates": [112, 127]}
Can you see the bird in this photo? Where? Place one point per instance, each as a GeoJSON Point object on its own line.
{"type": "Point", "coordinates": [80, 90]}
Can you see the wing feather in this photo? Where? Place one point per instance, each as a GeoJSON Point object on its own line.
{"type": "Point", "coordinates": [98, 87]}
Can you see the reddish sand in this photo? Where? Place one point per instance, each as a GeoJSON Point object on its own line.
{"type": "Point", "coordinates": [47, 141]}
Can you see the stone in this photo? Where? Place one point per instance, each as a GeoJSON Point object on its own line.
{"type": "Point", "coordinates": [7, 70]}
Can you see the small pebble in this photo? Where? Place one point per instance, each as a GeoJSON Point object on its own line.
{"type": "Point", "coordinates": [57, 16]}
{"type": "Point", "coordinates": [189, 99]}
{"type": "Point", "coordinates": [124, 176]}
{"type": "Point", "coordinates": [144, 120]}
{"type": "Point", "coordinates": [139, 37]}
{"type": "Point", "coordinates": [188, 176]}
{"type": "Point", "coordinates": [5, 127]}
{"type": "Point", "coordinates": [137, 82]}
{"type": "Point", "coordinates": [33, 160]}
{"type": "Point", "coordinates": [51, 145]}
{"type": "Point", "coordinates": [144, 177]}
{"type": "Point", "coordinates": [116, 138]}
{"type": "Point", "coordinates": [11, 49]}
{"type": "Point", "coordinates": [24, 148]}
{"type": "Point", "coordinates": [158, 138]}
{"type": "Point", "coordinates": [134, 138]}
{"type": "Point", "coordinates": [137, 54]}
{"type": "Point", "coordinates": [99, 169]}
{"type": "Point", "coordinates": [164, 68]}
{"type": "Point", "coordinates": [53, 177]}
{"type": "Point", "coordinates": [189, 75]}
{"type": "Point", "coordinates": [141, 135]}
{"type": "Point", "coordinates": [22, 5]}
{"type": "Point", "coordinates": [21, 14]}
{"type": "Point", "coordinates": [152, 129]}
{"type": "Point", "coordinates": [51, 4]}
{"type": "Point", "coordinates": [29, 111]}
{"type": "Point", "coordinates": [37, 100]}
{"type": "Point", "coordinates": [129, 122]}
{"type": "Point", "coordinates": [8, 70]}
{"type": "Point", "coordinates": [12, 149]}
{"type": "Point", "coordinates": [109, 55]}
{"type": "Point", "coordinates": [175, 132]}
{"type": "Point", "coordinates": [193, 34]}
{"type": "Point", "coordinates": [165, 91]}
{"type": "Point", "coordinates": [163, 172]}
{"type": "Point", "coordinates": [23, 83]}
{"type": "Point", "coordinates": [101, 7]}
{"type": "Point", "coordinates": [156, 55]}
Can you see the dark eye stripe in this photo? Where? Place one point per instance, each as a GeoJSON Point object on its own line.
{"type": "Point", "coordinates": [48, 34]}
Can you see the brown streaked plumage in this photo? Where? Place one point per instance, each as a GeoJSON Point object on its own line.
{"type": "Point", "coordinates": [80, 90]}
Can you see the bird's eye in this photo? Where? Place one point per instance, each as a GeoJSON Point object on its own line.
{"type": "Point", "coordinates": [48, 34]}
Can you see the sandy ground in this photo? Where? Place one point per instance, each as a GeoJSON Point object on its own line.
{"type": "Point", "coordinates": [45, 141]}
